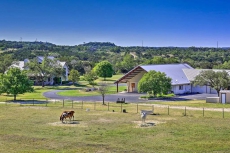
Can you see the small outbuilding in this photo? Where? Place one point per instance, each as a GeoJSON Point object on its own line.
{"type": "Point", "coordinates": [224, 96]}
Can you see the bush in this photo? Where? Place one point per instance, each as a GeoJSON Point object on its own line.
{"type": "Point", "coordinates": [159, 96]}
{"type": "Point", "coordinates": [65, 82]}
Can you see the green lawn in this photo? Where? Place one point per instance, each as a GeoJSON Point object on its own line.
{"type": "Point", "coordinates": [112, 90]}
{"type": "Point", "coordinates": [37, 94]}
{"type": "Point", "coordinates": [112, 79]}
{"type": "Point", "coordinates": [38, 130]}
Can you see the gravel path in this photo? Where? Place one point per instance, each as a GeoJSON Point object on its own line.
{"type": "Point", "coordinates": [191, 108]}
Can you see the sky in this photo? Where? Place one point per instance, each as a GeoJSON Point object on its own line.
{"type": "Point", "coordinates": [153, 23]}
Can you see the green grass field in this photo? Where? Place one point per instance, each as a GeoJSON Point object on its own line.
{"type": "Point", "coordinates": [26, 129]}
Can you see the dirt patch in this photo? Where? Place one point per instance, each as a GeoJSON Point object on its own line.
{"type": "Point", "coordinates": [149, 123]}
{"type": "Point", "coordinates": [69, 124]}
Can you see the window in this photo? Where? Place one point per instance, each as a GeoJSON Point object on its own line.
{"type": "Point", "coordinates": [181, 87]}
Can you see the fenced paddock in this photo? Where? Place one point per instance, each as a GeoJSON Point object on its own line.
{"type": "Point", "coordinates": [124, 107]}
{"type": "Point", "coordinates": [35, 126]}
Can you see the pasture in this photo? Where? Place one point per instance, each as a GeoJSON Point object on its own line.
{"type": "Point", "coordinates": [26, 128]}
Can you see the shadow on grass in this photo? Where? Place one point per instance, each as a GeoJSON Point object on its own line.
{"type": "Point", "coordinates": [30, 101]}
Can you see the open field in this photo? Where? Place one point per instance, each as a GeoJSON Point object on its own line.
{"type": "Point", "coordinates": [38, 129]}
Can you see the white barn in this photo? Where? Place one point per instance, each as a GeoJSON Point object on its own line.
{"type": "Point", "coordinates": [182, 76]}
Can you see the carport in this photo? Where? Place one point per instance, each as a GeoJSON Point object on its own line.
{"type": "Point", "coordinates": [130, 79]}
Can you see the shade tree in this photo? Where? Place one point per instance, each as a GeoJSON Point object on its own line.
{"type": "Point", "coordinates": [154, 83]}
{"type": "Point", "coordinates": [104, 69]}
{"type": "Point", "coordinates": [215, 79]}
{"type": "Point", "coordinates": [15, 82]}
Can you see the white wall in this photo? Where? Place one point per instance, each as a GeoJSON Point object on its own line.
{"type": "Point", "coordinates": [203, 89]}
{"type": "Point", "coordinates": [186, 88]}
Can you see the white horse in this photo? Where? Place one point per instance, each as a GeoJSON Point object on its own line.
{"type": "Point", "coordinates": [143, 116]}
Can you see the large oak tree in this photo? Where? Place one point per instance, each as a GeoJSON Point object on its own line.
{"type": "Point", "coordinates": [104, 69]}
{"type": "Point", "coordinates": [215, 79]}
{"type": "Point", "coordinates": [15, 82]}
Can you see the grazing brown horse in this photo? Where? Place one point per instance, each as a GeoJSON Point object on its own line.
{"type": "Point", "coordinates": [67, 114]}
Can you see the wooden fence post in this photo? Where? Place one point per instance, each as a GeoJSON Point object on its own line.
{"type": "Point", "coordinates": [223, 112]}
{"type": "Point", "coordinates": [33, 101]}
{"type": "Point", "coordinates": [137, 107]}
{"type": "Point", "coordinates": [46, 102]}
{"type": "Point", "coordinates": [203, 111]}
{"type": "Point", "coordinates": [121, 106]}
{"type": "Point", "coordinates": [63, 103]}
{"type": "Point", "coordinates": [185, 111]}
{"type": "Point", "coordinates": [108, 106]}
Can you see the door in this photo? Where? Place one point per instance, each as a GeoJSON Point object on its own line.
{"type": "Point", "coordinates": [132, 86]}
{"type": "Point", "coordinates": [223, 98]}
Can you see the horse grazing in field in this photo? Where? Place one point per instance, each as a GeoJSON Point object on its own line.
{"type": "Point", "coordinates": [67, 114]}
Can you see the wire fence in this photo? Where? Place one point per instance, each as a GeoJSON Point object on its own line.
{"type": "Point", "coordinates": [156, 109]}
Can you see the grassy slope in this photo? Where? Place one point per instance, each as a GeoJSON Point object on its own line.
{"type": "Point", "coordinates": [31, 129]}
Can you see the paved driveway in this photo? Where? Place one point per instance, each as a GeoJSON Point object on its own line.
{"type": "Point", "coordinates": [129, 97]}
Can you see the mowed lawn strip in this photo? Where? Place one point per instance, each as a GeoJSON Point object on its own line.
{"type": "Point", "coordinates": [38, 129]}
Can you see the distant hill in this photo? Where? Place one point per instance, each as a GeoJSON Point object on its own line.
{"type": "Point", "coordinates": [15, 45]}
{"type": "Point", "coordinates": [98, 44]}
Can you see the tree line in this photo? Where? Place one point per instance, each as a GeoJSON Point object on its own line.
{"type": "Point", "coordinates": [84, 56]}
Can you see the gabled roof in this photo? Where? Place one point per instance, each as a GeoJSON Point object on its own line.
{"type": "Point", "coordinates": [42, 57]}
{"type": "Point", "coordinates": [62, 63]}
{"type": "Point", "coordinates": [130, 74]}
{"type": "Point", "coordinates": [192, 73]}
{"type": "Point", "coordinates": [174, 71]}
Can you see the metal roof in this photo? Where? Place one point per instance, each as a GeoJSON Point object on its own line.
{"type": "Point", "coordinates": [174, 71]}
{"type": "Point", "coordinates": [192, 73]}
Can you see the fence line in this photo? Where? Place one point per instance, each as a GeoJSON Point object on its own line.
{"type": "Point", "coordinates": [126, 107]}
